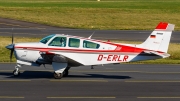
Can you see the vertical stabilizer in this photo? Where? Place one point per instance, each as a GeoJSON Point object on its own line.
{"type": "Point", "coordinates": [159, 39]}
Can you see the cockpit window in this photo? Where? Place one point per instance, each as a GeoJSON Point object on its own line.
{"type": "Point", "coordinates": [58, 41]}
{"type": "Point", "coordinates": [88, 44]}
{"type": "Point", "coordinates": [46, 39]}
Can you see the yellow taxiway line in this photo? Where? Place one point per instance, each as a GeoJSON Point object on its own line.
{"type": "Point", "coordinates": [162, 72]}
{"type": "Point", "coordinates": [150, 81]}
{"type": "Point", "coordinates": [160, 97]}
{"type": "Point", "coordinates": [15, 80]}
{"type": "Point", "coordinates": [81, 97]}
{"type": "Point", "coordinates": [11, 97]}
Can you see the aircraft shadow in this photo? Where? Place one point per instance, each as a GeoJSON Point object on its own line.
{"type": "Point", "coordinates": [29, 75]}
{"type": "Point", "coordinates": [49, 75]}
{"type": "Point", "coordinates": [100, 76]}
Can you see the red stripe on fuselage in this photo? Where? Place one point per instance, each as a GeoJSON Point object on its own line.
{"type": "Point", "coordinates": [119, 48]}
{"type": "Point", "coordinates": [122, 49]}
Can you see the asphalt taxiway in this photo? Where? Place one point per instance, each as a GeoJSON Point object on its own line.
{"type": "Point", "coordinates": [27, 29]}
{"type": "Point", "coordinates": [124, 82]}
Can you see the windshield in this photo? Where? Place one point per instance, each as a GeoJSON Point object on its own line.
{"type": "Point", "coordinates": [46, 39]}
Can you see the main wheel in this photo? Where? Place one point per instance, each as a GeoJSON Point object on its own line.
{"type": "Point", "coordinates": [57, 75]}
{"type": "Point", "coordinates": [16, 72]}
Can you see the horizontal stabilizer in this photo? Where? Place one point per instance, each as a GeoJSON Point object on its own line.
{"type": "Point", "coordinates": [164, 55]}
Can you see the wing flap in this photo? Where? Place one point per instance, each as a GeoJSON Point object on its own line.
{"type": "Point", "coordinates": [164, 55]}
{"type": "Point", "coordinates": [59, 58]}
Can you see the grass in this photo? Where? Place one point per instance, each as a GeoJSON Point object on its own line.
{"type": "Point", "coordinates": [91, 14]}
{"type": "Point", "coordinates": [173, 50]}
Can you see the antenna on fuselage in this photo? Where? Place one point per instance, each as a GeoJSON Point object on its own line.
{"type": "Point", "coordinates": [91, 35]}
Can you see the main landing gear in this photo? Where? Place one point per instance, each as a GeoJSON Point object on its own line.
{"type": "Point", "coordinates": [61, 70]}
{"type": "Point", "coordinates": [63, 74]}
{"type": "Point", "coordinates": [58, 75]}
{"type": "Point", "coordinates": [16, 72]}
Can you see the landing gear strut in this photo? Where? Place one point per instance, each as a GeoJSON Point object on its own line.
{"type": "Point", "coordinates": [16, 72]}
{"type": "Point", "coordinates": [66, 72]}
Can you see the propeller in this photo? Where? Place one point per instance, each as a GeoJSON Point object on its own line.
{"type": "Point", "coordinates": [11, 47]}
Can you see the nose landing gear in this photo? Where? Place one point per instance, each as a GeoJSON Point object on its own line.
{"type": "Point", "coordinates": [16, 72]}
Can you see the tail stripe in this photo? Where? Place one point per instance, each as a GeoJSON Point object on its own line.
{"type": "Point", "coordinates": [162, 25]}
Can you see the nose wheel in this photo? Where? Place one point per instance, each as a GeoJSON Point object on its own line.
{"type": "Point", "coordinates": [16, 72]}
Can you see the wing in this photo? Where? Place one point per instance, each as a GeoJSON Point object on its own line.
{"type": "Point", "coordinates": [49, 57]}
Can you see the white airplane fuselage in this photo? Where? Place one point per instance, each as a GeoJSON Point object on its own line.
{"type": "Point", "coordinates": [107, 53]}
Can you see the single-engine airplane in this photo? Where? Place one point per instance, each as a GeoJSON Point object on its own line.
{"type": "Point", "coordinates": [66, 51]}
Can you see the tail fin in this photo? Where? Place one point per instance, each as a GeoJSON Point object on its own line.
{"type": "Point", "coordinates": [159, 39]}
